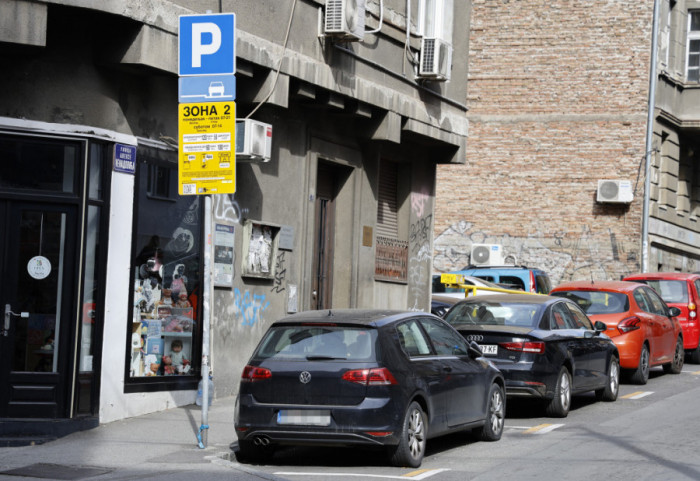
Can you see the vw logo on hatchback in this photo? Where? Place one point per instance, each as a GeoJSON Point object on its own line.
{"type": "Point", "coordinates": [305, 377]}
{"type": "Point", "coordinates": [475, 337]}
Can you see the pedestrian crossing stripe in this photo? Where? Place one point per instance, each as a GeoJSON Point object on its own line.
{"type": "Point", "coordinates": [637, 395]}
{"type": "Point", "coordinates": [419, 474]}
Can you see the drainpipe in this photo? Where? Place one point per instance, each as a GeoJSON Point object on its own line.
{"type": "Point", "coordinates": [649, 138]}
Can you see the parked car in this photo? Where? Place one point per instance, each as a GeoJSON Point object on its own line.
{"type": "Point", "coordinates": [682, 291]}
{"type": "Point", "coordinates": [640, 323]}
{"type": "Point", "coordinates": [513, 277]}
{"type": "Point", "coordinates": [365, 378]}
{"type": "Point", "coordinates": [545, 347]}
{"type": "Point", "coordinates": [441, 303]}
{"type": "Point", "coordinates": [443, 297]}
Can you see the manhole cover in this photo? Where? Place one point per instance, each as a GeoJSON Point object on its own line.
{"type": "Point", "coordinates": [56, 471]}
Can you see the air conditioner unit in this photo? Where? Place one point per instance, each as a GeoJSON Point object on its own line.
{"type": "Point", "coordinates": [253, 141]}
{"type": "Point", "coordinates": [615, 191]}
{"type": "Point", "coordinates": [435, 59]}
{"type": "Point", "coordinates": [345, 19]}
{"type": "Point", "coordinates": [487, 255]}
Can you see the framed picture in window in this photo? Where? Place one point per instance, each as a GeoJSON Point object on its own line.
{"type": "Point", "coordinates": [260, 243]}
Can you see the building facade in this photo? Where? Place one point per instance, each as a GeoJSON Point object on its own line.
{"type": "Point", "coordinates": [103, 277]}
{"type": "Point", "coordinates": [558, 102]}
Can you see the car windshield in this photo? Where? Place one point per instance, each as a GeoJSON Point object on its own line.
{"type": "Point", "coordinates": [597, 302]}
{"type": "Point", "coordinates": [669, 290]}
{"type": "Point", "coordinates": [314, 342]}
{"type": "Point", "coordinates": [495, 313]}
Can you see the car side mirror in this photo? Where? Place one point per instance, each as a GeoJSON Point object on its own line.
{"type": "Point", "coordinates": [600, 326]}
{"type": "Point", "coordinates": [474, 350]}
{"type": "Point", "coordinates": [674, 311]}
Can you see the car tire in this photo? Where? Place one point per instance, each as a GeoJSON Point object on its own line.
{"type": "Point", "coordinates": [641, 374]}
{"type": "Point", "coordinates": [495, 415]}
{"type": "Point", "coordinates": [412, 438]}
{"type": "Point", "coordinates": [250, 453]}
{"type": "Point", "coordinates": [612, 385]}
{"type": "Point", "coordinates": [676, 366]}
{"type": "Point", "coordinates": [694, 355]}
{"type": "Point", "coordinates": [559, 406]}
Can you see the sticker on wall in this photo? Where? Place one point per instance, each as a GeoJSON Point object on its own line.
{"type": "Point", "coordinates": [39, 267]}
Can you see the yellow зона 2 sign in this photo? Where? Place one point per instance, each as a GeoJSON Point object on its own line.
{"type": "Point", "coordinates": [207, 148]}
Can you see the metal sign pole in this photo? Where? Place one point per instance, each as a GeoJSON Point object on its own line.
{"type": "Point", "coordinates": [203, 429]}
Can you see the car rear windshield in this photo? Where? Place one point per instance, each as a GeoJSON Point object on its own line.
{"type": "Point", "coordinates": [597, 302]}
{"type": "Point", "coordinates": [314, 342]}
{"type": "Point", "coordinates": [495, 313]}
{"type": "Point", "coordinates": [670, 291]}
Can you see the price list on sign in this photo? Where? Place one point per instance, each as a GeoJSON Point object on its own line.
{"type": "Point", "coordinates": [207, 163]}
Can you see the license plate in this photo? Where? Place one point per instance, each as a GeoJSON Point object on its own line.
{"type": "Point", "coordinates": [490, 349]}
{"type": "Point", "coordinates": [304, 417]}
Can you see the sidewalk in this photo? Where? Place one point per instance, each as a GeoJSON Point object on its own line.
{"type": "Point", "coordinates": [161, 445]}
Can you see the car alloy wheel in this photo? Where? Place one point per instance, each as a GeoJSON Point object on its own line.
{"type": "Point", "coordinates": [559, 406]}
{"type": "Point", "coordinates": [641, 374]}
{"type": "Point", "coordinates": [676, 366]}
{"type": "Point", "coordinates": [412, 439]}
{"type": "Point", "coordinates": [612, 387]}
{"type": "Point", "coordinates": [495, 415]}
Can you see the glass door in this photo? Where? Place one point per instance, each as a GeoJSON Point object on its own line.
{"type": "Point", "coordinates": [37, 275]}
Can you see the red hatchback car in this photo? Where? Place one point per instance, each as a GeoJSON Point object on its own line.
{"type": "Point", "coordinates": [679, 290]}
{"type": "Point", "coordinates": [644, 329]}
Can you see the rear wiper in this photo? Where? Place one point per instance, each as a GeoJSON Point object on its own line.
{"type": "Point", "coordinates": [323, 358]}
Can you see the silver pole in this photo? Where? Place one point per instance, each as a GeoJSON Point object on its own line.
{"type": "Point", "coordinates": [203, 430]}
{"type": "Point", "coordinates": [649, 138]}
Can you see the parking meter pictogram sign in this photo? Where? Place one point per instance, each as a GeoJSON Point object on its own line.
{"type": "Point", "coordinates": [207, 44]}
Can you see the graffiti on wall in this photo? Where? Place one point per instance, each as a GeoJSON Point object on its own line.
{"type": "Point", "coordinates": [588, 254]}
{"type": "Point", "coordinates": [249, 307]}
{"type": "Point", "coordinates": [419, 260]}
{"type": "Point", "coordinates": [280, 273]}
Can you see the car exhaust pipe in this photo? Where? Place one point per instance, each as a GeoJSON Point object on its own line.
{"type": "Point", "coordinates": [261, 441]}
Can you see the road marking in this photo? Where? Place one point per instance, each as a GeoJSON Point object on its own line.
{"type": "Point", "coordinates": [637, 395]}
{"type": "Point", "coordinates": [697, 373]}
{"type": "Point", "coordinates": [420, 474]}
{"type": "Point", "coordinates": [542, 428]}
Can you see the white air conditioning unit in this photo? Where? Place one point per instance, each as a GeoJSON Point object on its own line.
{"type": "Point", "coordinates": [487, 255]}
{"type": "Point", "coordinates": [253, 141]}
{"type": "Point", "coordinates": [435, 59]}
{"type": "Point", "coordinates": [345, 19]}
{"type": "Point", "coordinates": [615, 191]}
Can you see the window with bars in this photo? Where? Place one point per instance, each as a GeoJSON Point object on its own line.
{"type": "Point", "coordinates": [693, 65]}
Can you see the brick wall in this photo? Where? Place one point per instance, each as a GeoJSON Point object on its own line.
{"type": "Point", "coordinates": [557, 95]}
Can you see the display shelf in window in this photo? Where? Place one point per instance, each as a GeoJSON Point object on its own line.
{"type": "Point", "coordinates": [260, 243]}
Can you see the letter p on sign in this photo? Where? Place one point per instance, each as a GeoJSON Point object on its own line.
{"type": "Point", "coordinates": [207, 44]}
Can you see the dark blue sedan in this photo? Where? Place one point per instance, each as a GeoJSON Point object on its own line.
{"type": "Point", "coordinates": [365, 378]}
{"type": "Point", "coordinates": [546, 347]}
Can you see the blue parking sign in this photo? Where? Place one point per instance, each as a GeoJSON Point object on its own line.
{"type": "Point", "coordinates": [207, 44]}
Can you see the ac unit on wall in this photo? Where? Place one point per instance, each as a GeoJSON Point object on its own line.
{"type": "Point", "coordinates": [253, 141]}
{"type": "Point", "coordinates": [487, 255]}
{"type": "Point", "coordinates": [435, 59]}
{"type": "Point", "coordinates": [615, 191]}
{"type": "Point", "coordinates": [345, 19]}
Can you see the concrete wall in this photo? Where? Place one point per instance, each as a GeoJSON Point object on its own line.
{"type": "Point", "coordinates": [557, 100]}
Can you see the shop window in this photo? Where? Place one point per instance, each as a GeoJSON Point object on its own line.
{"type": "Point", "coordinates": [391, 257]}
{"type": "Point", "coordinates": [166, 277]}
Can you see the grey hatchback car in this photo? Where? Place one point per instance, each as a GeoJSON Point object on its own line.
{"type": "Point", "coordinates": [385, 379]}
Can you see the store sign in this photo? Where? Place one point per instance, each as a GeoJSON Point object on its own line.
{"type": "Point", "coordinates": [124, 158]}
{"type": "Point", "coordinates": [39, 267]}
{"type": "Point", "coordinates": [207, 163]}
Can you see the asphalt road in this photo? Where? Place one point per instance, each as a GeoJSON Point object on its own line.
{"type": "Point", "coordinates": [649, 433]}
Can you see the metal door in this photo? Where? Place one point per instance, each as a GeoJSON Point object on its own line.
{"type": "Point", "coordinates": [37, 276]}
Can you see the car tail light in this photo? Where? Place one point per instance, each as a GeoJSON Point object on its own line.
{"type": "Point", "coordinates": [379, 434]}
{"type": "Point", "coordinates": [692, 310]}
{"type": "Point", "coordinates": [370, 377]}
{"type": "Point", "coordinates": [629, 324]}
{"type": "Point", "coordinates": [534, 347]}
{"type": "Point", "coordinates": [252, 374]}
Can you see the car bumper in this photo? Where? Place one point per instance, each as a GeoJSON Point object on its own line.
{"type": "Point", "coordinates": [691, 334]}
{"type": "Point", "coordinates": [528, 379]}
{"type": "Point", "coordinates": [349, 425]}
{"type": "Point", "coordinates": [629, 346]}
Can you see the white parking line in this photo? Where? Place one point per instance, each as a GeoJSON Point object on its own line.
{"type": "Point", "coordinates": [637, 395]}
{"type": "Point", "coordinates": [420, 474]}
{"type": "Point", "coordinates": [542, 428]}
